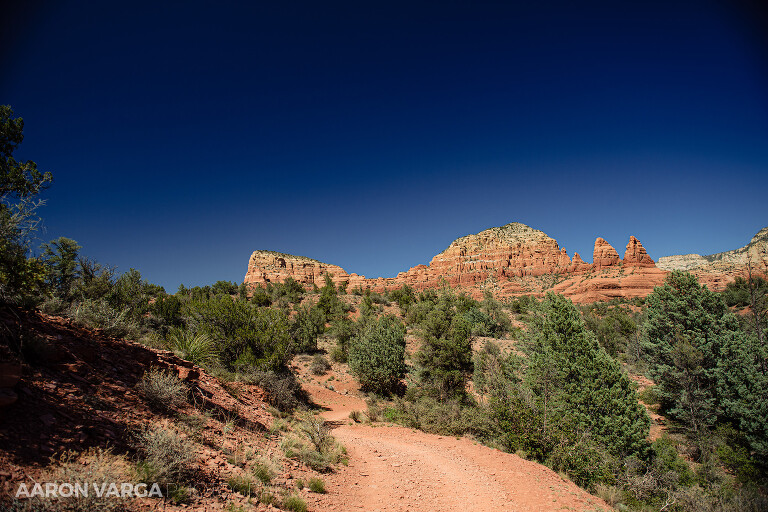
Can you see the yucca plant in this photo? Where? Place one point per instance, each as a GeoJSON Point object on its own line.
{"type": "Point", "coordinates": [198, 348]}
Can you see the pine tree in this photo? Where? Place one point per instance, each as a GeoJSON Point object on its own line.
{"type": "Point", "coordinates": [685, 329]}
{"type": "Point", "coordinates": [580, 389]}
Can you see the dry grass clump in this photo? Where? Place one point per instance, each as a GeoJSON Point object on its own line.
{"type": "Point", "coordinates": [94, 467]}
{"type": "Point", "coordinates": [294, 503]}
{"type": "Point", "coordinates": [244, 484]}
{"type": "Point", "coordinates": [167, 457]}
{"type": "Point", "coordinates": [317, 485]}
{"type": "Point", "coordinates": [163, 390]}
{"type": "Point", "coordinates": [320, 365]}
{"type": "Point", "coordinates": [314, 445]}
{"type": "Point", "coordinates": [98, 314]}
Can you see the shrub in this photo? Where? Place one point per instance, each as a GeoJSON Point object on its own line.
{"type": "Point", "coordinates": [283, 390]}
{"type": "Point", "coordinates": [377, 355]}
{"type": "Point", "coordinates": [338, 354]}
{"type": "Point", "coordinates": [294, 503]}
{"type": "Point", "coordinates": [264, 471]}
{"type": "Point", "coordinates": [95, 466]}
{"type": "Point", "coordinates": [585, 462]}
{"type": "Point", "coordinates": [316, 448]}
{"type": "Point", "coordinates": [320, 365]}
{"type": "Point", "coordinates": [162, 389]}
{"type": "Point", "coordinates": [317, 485]}
{"type": "Point", "coordinates": [244, 484]}
{"type": "Point", "coordinates": [249, 336]}
{"type": "Point", "coordinates": [445, 357]}
{"type": "Point", "coordinates": [198, 348]}
{"type": "Point", "coordinates": [450, 417]}
{"type": "Point", "coordinates": [98, 314]}
{"type": "Point", "coordinates": [308, 324]}
{"type": "Point", "coordinates": [167, 457]}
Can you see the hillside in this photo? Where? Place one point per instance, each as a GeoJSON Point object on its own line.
{"type": "Point", "coordinates": [717, 270]}
{"type": "Point", "coordinates": [81, 391]}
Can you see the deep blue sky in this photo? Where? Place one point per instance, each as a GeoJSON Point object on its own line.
{"type": "Point", "coordinates": [371, 134]}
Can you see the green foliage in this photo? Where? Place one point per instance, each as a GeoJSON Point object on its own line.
{"type": "Point", "coordinates": [95, 280]}
{"type": "Point", "coordinates": [320, 365]}
{"type": "Point", "coordinates": [686, 329]}
{"type": "Point", "coordinates": [261, 297]}
{"type": "Point", "coordinates": [344, 330]}
{"type": "Point", "coordinates": [316, 447]}
{"type": "Point", "coordinates": [263, 471]}
{"type": "Point", "coordinates": [289, 291]}
{"type": "Point", "coordinates": [452, 417]}
{"type": "Point", "coordinates": [244, 485]}
{"type": "Point", "coordinates": [20, 182]}
{"type": "Point", "coordinates": [224, 288]}
{"type": "Point", "coordinates": [583, 460]}
{"type": "Point", "coordinates": [522, 304]}
{"type": "Point", "coordinates": [613, 328]}
{"type": "Point", "coordinates": [168, 309]}
{"type": "Point", "coordinates": [198, 348]}
{"type": "Point", "coordinates": [742, 388]}
{"type": "Point", "coordinates": [294, 503]}
{"type": "Point", "coordinates": [404, 297]}
{"type": "Point", "coordinates": [445, 356]}
{"type": "Point", "coordinates": [283, 390]}
{"type": "Point", "coordinates": [132, 293]}
{"type": "Point", "coordinates": [377, 355]}
{"type": "Point", "coordinates": [60, 260]}
{"type": "Point", "coordinates": [99, 314]}
{"type": "Point", "coordinates": [247, 336]}
{"type": "Point", "coordinates": [493, 371]}
{"type": "Point", "coordinates": [578, 386]}
{"type": "Point", "coordinates": [329, 302]}
{"type": "Point", "coordinates": [738, 293]}
{"type": "Point", "coordinates": [308, 324]}
{"type": "Point", "coordinates": [317, 485]}
{"type": "Point", "coordinates": [17, 179]}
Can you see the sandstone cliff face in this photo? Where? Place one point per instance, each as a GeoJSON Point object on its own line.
{"type": "Point", "coordinates": [604, 255]}
{"type": "Point", "coordinates": [717, 270]}
{"type": "Point", "coordinates": [509, 260]}
{"type": "Point", "coordinates": [636, 256]}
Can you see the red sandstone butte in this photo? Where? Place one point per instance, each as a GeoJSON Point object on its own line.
{"type": "Point", "coordinates": [604, 255]}
{"type": "Point", "coordinates": [509, 260]}
{"type": "Point", "coordinates": [635, 255]}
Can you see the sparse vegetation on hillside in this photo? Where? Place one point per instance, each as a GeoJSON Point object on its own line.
{"type": "Point", "coordinates": [557, 394]}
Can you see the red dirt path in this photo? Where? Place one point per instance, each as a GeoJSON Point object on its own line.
{"type": "Point", "coordinates": [393, 468]}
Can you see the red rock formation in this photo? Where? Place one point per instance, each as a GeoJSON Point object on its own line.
{"type": "Point", "coordinates": [717, 270]}
{"type": "Point", "coordinates": [604, 255]}
{"type": "Point", "coordinates": [578, 264]}
{"type": "Point", "coordinates": [510, 260]}
{"type": "Point", "coordinates": [635, 255]}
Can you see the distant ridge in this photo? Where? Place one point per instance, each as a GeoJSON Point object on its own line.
{"type": "Point", "coordinates": [716, 270]}
{"type": "Point", "coordinates": [510, 260]}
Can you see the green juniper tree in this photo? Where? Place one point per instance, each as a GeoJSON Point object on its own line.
{"type": "Point", "coordinates": [579, 385]}
{"type": "Point", "coordinates": [20, 183]}
{"type": "Point", "coordinates": [377, 355]}
{"type": "Point", "coordinates": [61, 261]}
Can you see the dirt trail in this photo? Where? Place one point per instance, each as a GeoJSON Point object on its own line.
{"type": "Point", "coordinates": [398, 469]}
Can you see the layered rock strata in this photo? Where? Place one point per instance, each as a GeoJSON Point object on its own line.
{"type": "Point", "coordinates": [510, 260]}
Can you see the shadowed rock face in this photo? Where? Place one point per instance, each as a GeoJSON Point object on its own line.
{"type": "Point", "coordinates": [717, 270]}
{"type": "Point", "coordinates": [509, 260]}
